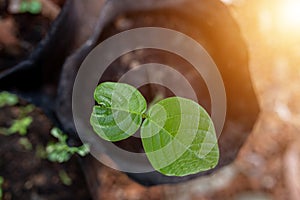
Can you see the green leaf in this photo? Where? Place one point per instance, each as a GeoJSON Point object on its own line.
{"type": "Point", "coordinates": [65, 178]}
{"type": "Point", "coordinates": [83, 150]}
{"type": "Point", "coordinates": [57, 133]}
{"type": "Point", "coordinates": [119, 113]}
{"type": "Point", "coordinates": [60, 151]}
{"type": "Point", "coordinates": [8, 99]}
{"type": "Point", "coordinates": [33, 7]}
{"type": "Point", "coordinates": [178, 135]}
{"type": "Point", "coordinates": [20, 126]}
{"type": "Point", "coordinates": [179, 138]}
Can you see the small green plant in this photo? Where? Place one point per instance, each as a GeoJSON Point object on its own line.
{"type": "Point", "coordinates": [20, 126]}
{"type": "Point", "coordinates": [60, 151]}
{"type": "Point", "coordinates": [32, 6]}
{"type": "Point", "coordinates": [177, 134]}
{"type": "Point", "coordinates": [22, 123]}
{"type": "Point", "coordinates": [1, 183]}
{"type": "Point", "coordinates": [55, 152]}
{"type": "Point", "coordinates": [65, 178]}
{"type": "Point", "coordinates": [8, 99]}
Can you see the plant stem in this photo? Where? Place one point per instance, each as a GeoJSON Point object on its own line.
{"type": "Point", "coordinates": [145, 116]}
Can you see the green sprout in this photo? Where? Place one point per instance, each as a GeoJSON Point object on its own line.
{"type": "Point", "coordinates": [20, 126]}
{"type": "Point", "coordinates": [22, 123]}
{"type": "Point", "coordinates": [8, 99]}
{"type": "Point", "coordinates": [65, 178]}
{"type": "Point", "coordinates": [177, 134]}
{"type": "Point", "coordinates": [60, 151]}
{"type": "Point", "coordinates": [33, 6]}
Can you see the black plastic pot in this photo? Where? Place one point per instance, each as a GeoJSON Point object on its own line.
{"type": "Point", "coordinates": [47, 77]}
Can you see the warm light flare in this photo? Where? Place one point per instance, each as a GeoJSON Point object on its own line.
{"type": "Point", "coordinates": [289, 14]}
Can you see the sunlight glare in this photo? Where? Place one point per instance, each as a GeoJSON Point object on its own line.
{"type": "Point", "coordinates": [289, 15]}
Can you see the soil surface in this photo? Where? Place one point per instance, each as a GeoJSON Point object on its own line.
{"type": "Point", "coordinates": [267, 166]}
{"type": "Point", "coordinates": [26, 175]}
{"type": "Point", "coordinates": [20, 33]}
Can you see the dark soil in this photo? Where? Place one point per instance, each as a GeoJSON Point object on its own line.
{"type": "Point", "coordinates": [26, 175]}
{"type": "Point", "coordinates": [20, 35]}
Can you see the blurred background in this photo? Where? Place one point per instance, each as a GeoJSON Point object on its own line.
{"type": "Point", "coordinates": [267, 166]}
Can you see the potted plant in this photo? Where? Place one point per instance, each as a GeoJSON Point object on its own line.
{"type": "Point", "coordinates": [53, 68]}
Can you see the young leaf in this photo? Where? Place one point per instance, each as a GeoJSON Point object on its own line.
{"type": "Point", "coordinates": [8, 99]}
{"type": "Point", "coordinates": [20, 126]}
{"type": "Point", "coordinates": [57, 133]}
{"type": "Point", "coordinates": [179, 138]}
{"type": "Point", "coordinates": [119, 113]}
{"type": "Point", "coordinates": [60, 151]}
{"type": "Point", "coordinates": [178, 135]}
{"type": "Point", "coordinates": [33, 7]}
{"type": "Point", "coordinates": [65, 178]}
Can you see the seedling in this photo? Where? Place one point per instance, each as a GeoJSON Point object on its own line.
{"type": "Point", "coordinates": [21, 124]}
{"type": "Point", "coordinates": [33, 7]}
{"type": "Point", "coordinates": [60, 151]}
{"type": "Point", "coordinates": [25, 6]}
{"type": "Point", "coordinates": [8, 99]}
{"type": "Point", "coordinates": [18, 126]}
{"type": "Point", "coordinates": [55, 152]}
{"type": "Point", "coordinates": [65, 178]}
{"type": "Point", "coordinates": [177, 134]}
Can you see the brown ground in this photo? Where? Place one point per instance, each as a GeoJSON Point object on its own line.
{"type": "Point", "coordinates": [26, 175]}
{"type": "Point", "coordinates": [267, 166]}
{"type": "Point", "coordinates": [20, 33]}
